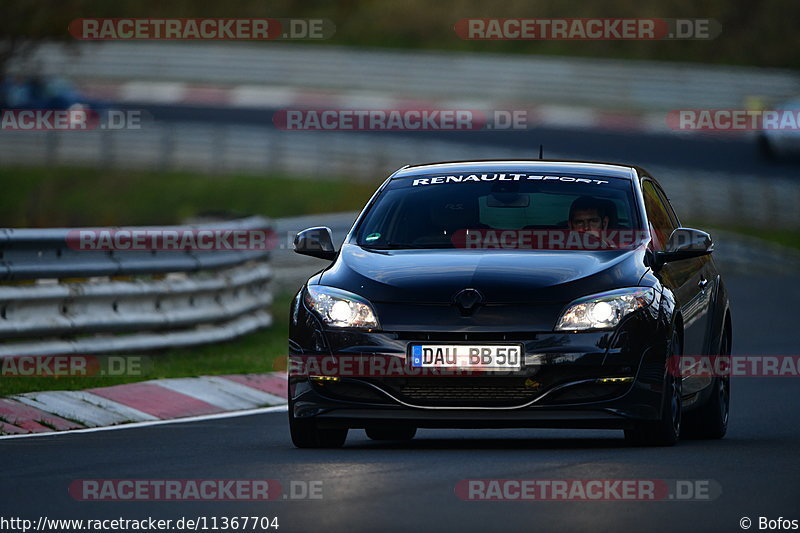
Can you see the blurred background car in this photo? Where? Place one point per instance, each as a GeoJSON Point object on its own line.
{"type": "Point", "coordinates": [43, 92]}
{"type": "Point", "coordinates": [781, 143]}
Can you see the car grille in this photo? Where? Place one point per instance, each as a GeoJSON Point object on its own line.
{"type": "Point", "coordinates": [464, 391]}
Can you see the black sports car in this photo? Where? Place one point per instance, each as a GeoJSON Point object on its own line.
{"type": "Point", "coordinates": [509, 294]}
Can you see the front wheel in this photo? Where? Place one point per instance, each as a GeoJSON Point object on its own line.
{"type": "Point", "coordinates": [710, 420]}
{"type": "Point", "coordinates": [765, 149]}
{"type": "Point", "coordinates": [666, 430]}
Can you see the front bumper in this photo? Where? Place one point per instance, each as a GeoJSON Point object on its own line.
{"type": "Point", "coordinates": [618, 414]}
{"type": "Point", "coordinates": [601, 379]}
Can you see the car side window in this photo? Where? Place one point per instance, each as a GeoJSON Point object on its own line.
{"type": "Point", "coordinates": [661, 223]}
{"type": "Point", "coordinates": [668, 206]}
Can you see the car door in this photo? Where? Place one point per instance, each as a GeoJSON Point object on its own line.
{"type": "Point", "coordinates": [686, 278]}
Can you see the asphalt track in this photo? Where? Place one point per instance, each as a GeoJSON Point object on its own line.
{"type": "Point", "coordinates": [369, 486]}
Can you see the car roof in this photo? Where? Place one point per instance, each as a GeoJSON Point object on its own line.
{"type": "Point", "coordinates": [595, 168]}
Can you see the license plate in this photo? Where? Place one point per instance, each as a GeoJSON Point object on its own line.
{"type": "Point", "coordinates": [466, 356]}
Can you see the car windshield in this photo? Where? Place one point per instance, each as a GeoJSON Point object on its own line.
{"type": "Point", "coordinates": [437, 211]}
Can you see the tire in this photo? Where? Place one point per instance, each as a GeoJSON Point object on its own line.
{"type": "Point", "coordinates": [665, 431]}
{"type": "Point", "coordinates": [384, 433]}
{"type": "Point", "coordinates": [306, 434]}
{"type": "Point", "coordinates": [765, 150]}
{"type": "Point", "coordinates": [710, 420]}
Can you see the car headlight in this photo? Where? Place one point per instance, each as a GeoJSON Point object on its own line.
{"type": "Point", "coordinates": [604, 310]}
{"type": "Point", "coordinates": [340, 308]}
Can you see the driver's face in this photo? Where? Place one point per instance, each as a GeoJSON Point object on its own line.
{"type": "Point", "coordinates": [587, 219]}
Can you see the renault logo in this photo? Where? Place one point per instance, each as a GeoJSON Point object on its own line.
{"type": "Point", "coordinates": [468, 301]}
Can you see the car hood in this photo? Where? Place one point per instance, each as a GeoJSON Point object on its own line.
{"type": "Point", "coordinates": [502, 277]}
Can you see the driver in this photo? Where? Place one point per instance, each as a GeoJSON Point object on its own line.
{"type": "Point", "coordinates": [588, 214]}
{"type": "Point", "coordinates": [590, 217]}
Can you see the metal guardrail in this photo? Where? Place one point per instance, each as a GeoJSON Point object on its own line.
{"type": "Point", "coordinates": [56, 300]}
{"type": "Point", "coordinates": [601, 83]}
{"type": "Point", "coordinates": [44, 253]}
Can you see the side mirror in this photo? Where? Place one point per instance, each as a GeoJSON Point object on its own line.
{"type": "Point", "coordinates": [316, 242]}
{"type": "Point", "coordinates": [685, 243]}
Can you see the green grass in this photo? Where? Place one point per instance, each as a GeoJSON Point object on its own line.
{"type": "Point", "coordinates": [785, 237]}
{"type": "Point", "coordinates": [262, 351]}
{"type": "Point", "coordinates": [42, 197]}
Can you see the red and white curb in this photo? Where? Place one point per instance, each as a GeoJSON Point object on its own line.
{"type": "Point", "coordinates": [274, 97]}
{"type": "Point", "coordinates": [143, 402]}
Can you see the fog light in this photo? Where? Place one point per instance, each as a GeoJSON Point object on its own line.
{"type": "Point", "coordinates": [323, 378]}
{"type": "Point", "coordinates": [625, 379]}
